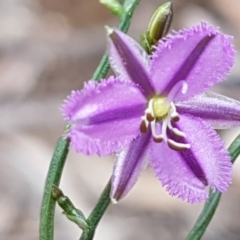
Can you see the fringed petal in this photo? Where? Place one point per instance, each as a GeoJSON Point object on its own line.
{"type": "Point", "coordinates": [218, 110]}
{"type": "Point", "coordinates": [129, 60]}
{"type": "Point", "coordinates": [186, 173]}
{"type": "Point", "coordinates": [201, 56]}
{"type": "Point", "coordinates": [105, 117]}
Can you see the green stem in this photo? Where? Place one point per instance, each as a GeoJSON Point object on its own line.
{"type": "Point", "coordinates": [53, 178]}
{"type": "Point", "coordinates": [62, 146]}
{"type": "Point", "coordinates": [97, 213]}
{"type": "Point", "coordinates": [214, 197]}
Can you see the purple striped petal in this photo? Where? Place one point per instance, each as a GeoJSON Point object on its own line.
{"type": "Point", "coordinates": [105, 117]}
{"type": "Point", "coordinates": [217, 110]}
{"type": "Point", "coordinates": [129, 60]}
{"type": "Point", "coordinates": [128, 167]}
{"type": "Point", "coordinates": [201, 56]}
{"type": "Point", "coordinates": [185, 174]}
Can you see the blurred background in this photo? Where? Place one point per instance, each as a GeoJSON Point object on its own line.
{"type": "Point", "coordinates": [48, 48]}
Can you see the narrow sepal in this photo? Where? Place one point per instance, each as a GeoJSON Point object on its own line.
{"type": "Point", "coordinates": [129, 165]}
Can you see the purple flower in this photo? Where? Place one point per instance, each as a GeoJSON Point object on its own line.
{"type": "Point", "coordinates": [157, 111]}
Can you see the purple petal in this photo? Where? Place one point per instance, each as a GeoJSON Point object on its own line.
{"type": "Point", "coordinates": [181, 171]}
{"type": "Point", "coordinates": [105, 117]}
{"type": "Point", "coordinates": [129, 60]}
{"type": "Point", "coordinates": [128, 167]}
{"type": "Point", "coordinates": [201, 56]}
{"type": "Point", "coordinates": [219, 111]}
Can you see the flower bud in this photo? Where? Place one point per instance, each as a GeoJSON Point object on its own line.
{"type": "Point", "coordinates": [114, 5]}
{"type": "Point", "coordinates": [158, 26]}
{"type": "Point", "coordinates": [160, 22]}
{"type": "Point", "coordinates": [73, 214]}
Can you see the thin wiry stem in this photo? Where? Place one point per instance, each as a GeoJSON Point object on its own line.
{"type": "Point", "coordinates": [97, 213]}
{"type": "Point", "coordinates": [53, 178]}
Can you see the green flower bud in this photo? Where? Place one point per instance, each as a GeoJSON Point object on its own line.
{"type": "Point", "coordinates": [72, 213]}
{"type": "Point", "coordinates": [160, 22]}
{"type": "Point", "coordinates": [158, 26]}
{"type": "Point", "coordinates": [114, 5]}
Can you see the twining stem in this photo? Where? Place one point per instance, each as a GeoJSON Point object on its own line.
{"type": "Point", "coordinates": [61, 150]}
{"type": "Point", "coordinates": [97, 213]}
{"type": "Point", "coordinates": [214, 197]}
{"type": "Point", "coordinates": [53, 177]}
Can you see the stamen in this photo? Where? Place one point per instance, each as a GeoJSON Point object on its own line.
{"type": "Point", "coordinates": [158, 139]}
{"type": "Point", "coordinates": [174, 113]}
{"type": "Point", "coordinates": [175, 118]}
{"type": "Point", "coordinates": [159, 110]}
{"type": "Point", "coordinates": [154, 134]}
{"type": "Point", "coordinates": [149, 117]}
{"type": "Point", "coordinates": [178, 146]}
{"type": "Point", "coordinates": [176, 131]}
{"type": "Point", "coordinates": [173, 108]}
{"type": "Point", "coordinates": [164, 129]}
{"type": "Point", "coordinates": [143, 125]}
{"type": "Point", "coordinates": [150, 108]}
{"type": "Point", "coordinates": [179, 86]}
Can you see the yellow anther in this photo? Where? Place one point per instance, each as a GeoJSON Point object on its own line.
{"type": "Point", "coordinates": [160, 107]}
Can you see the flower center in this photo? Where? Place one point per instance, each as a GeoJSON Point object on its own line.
{"type": "Point", "coordinates": [159, 116]}
{"type": "Point", "coordinates": [160, 107]}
